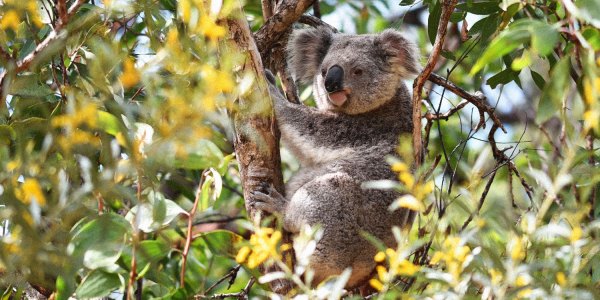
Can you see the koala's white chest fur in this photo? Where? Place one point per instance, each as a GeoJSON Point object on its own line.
{"type": "Point", "coordinates": [312, 153]}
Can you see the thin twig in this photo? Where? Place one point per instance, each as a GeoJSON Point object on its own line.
{"type": "Point", "coordinates": [481, 200]}
{"type": "Point", "coordinates": [243, 294]}
{"type": "Point", "coordinates": [232, 274]}
{"type": "Point", "coordinates": [477, 99]}
{"type": "Point", "coordinates": [188, 238]}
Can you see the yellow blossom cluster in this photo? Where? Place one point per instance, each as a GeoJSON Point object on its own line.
{"type": "Point", "coordinates": [263, 245]}
{"type": "Point", "coordinates": [18, 11]}
{"type": "Point", "coordinates": [30, 190]}
{"type": "Point", "coordinates": [398, 266]}
{"type": "Point", "coordinates": [130, 76]}
{"type": "Point", "coordinates": [453, 254]}
{"type": "Point", "coordinates": [72, 122]}
{"type": "Point", "coordinates": [516, 248]}
{"type": "Point", "coordinates": [195, 15]}
{"type": "Point", "coordinates": [417, 191]}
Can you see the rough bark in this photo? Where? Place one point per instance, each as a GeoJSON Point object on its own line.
{"type": "Point", "coordinates": [257, 136]}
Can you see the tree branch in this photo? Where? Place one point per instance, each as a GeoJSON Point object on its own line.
{"type": "Point", "coordinates": [477, 99]}
{"type": "Point", "coordinates": [288, 12]}
{"type": "Point", "coordinates": [315, 22]}
{"type": "Point", "coordinates": [447, 9]}
{"type": "Point", "coordinates": [256, 138]}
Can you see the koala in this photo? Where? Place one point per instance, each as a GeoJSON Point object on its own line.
{"type": "Point", "coordinates": [362, 108]}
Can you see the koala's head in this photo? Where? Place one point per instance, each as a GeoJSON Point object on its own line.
{"type": "Point", "coordinates": [352, 74]}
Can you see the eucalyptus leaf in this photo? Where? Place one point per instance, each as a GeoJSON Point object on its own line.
{"type": "Point", "coordinates": [98, 284]}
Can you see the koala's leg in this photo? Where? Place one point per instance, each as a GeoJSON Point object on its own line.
{"type": "Point", "coordinates": [334, 202]}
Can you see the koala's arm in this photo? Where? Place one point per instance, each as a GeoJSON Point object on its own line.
{"type": "Point", "coordinates": [305, 127]}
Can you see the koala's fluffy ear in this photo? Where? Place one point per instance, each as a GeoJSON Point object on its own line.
{"type": "Point", "coordinates": [306, 50]}
{"type": "Point", "coordinates": [400, 53]}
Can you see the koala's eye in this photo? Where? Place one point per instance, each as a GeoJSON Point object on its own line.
{"type": "Point", "coordinates": [323, 72]}
{"type": "Point", "coordinates": [358, 72]}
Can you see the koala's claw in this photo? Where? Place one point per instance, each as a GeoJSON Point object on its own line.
{"type": "Point", "coordinates": [270, 76]}
{"type": "Point", "coordinates": [270, 200]}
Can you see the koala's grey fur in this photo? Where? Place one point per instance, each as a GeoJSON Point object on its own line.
{"type": "Point", "coordinates": [342, 146]}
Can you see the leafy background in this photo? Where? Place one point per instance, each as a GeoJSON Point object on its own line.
{"type": "Point", "coordinates": [118, 179]}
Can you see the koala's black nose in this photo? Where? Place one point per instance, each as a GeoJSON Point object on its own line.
{"type": "Point", "coordinates": [334, 79]}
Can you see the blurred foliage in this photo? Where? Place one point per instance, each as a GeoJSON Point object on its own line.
{"type": "Point", "coordinates": [116, 135]}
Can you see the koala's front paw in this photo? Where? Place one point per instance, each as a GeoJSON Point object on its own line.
{"type": "Point", "coordinates": [264, 195]}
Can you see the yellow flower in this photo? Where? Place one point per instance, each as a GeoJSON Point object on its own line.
{"type": "Point", "coordinates": [407, 179]}
{"type": "Point", "coordinates": [495, 276]}
{"type": "Point", "coordinates": [516, 249]}
{"type": "Point", "coordinates": [561, 279]}
{"type": "Point", "coordinates": [10, 20]}
{"type": "Point", "coordinates": [185, 8]}
{"type": "Point", "coordinates": [130, 76]}
{"type": "Point", "coordinates": [521, 280]}
{"type": "Point", "coordinates": [34, 13]}
{"type": "Point", "coordinates": [376, 284]}
{"type": "Point", "coordinates": [209, 28]}
{"type": "Point", "coordinates": [591, 119]}
{"type": "Point", "coordinates": [400, 167]}
{"type": "Point", "coordinates": [524, 293]}
{"type": "Point", "coordinates": [398, 266]}
{"type": "Point", "coordinates": [453, 254]}
{"type": "Point", "coordinates": [576, 234]}
{"type": "Point", "coordinates": [263, 245]}
{"type": "Point", "coordinates": [87, 115]}
{"type": "Point", "coordinates": [407, 268]}
{"type": "Point", "coordinates": [31, 190]}
{"type": "Point", "coordinates": [410, 202]}
{"type": "Point", "coordinates": [243, 254]}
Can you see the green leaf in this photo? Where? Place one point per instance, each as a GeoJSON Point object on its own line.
{"type": "Point", "coordinates": [479, 8]}
{"type": "Point", "coordinates": [100, 241]}
{"type": "Point", "coordinates": [456, 17]}
{"type": "Point", "coordinates": [589, 10]}
{"type": "Point", "coordinates": [555, 91]}
{"type": "Point", "coordinates": [151, 251]}
{"type": "Point", "coordinates": [206, 155]}
{"type": "Point", "coordinates": [538, 79]}
{"type": "Point", "coordinates": [109, 123]}
{"type": "Point", "coordinates": [143, 214]}
{"type": "Point", "coordinates": [503, 77]}
{"type": "Point", "coordinates": [521, 62]}
{"type": "Point", "coordinates": [433, 21]}
{"type": "Point", "coordinates": [220, 242]}
{"type": "Point", "coordinates": [29, 86]}
{"type": "Point", "coordinates": [543, 38]}
{"type": "Point", "coordinates": [505, 43]}
{"type": "Point", "coordinates": [98, 284]}
{"type": "Point", "coordinates": [592, 35]}
{"type": "Point", "coordinates": [7, 134]}
{"type": "Point", "coordinates": [486, 26]}
{"type": "Point", "coordinates": [159, 207]}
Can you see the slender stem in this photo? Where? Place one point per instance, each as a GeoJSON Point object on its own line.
{"type": "Point", "coordinates": [190, 226]}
